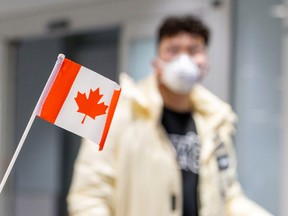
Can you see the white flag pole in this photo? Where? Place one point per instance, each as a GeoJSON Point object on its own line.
{"type": "Point", "coordinates": [36, 111]}
{"type": "Point", "coordinates": [13, 160]}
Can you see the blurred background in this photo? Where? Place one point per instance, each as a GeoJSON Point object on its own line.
{"type": "Point", "coordinates": [248, 69]}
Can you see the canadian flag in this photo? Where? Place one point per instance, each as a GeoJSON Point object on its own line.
{"type": "Point", "coordinates": [79, 100]}
{"type": "Point", "coordinates": [76, 99]}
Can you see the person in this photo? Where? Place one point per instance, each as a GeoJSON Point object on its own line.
{"type": "Point", "coordinates": [169, 151]}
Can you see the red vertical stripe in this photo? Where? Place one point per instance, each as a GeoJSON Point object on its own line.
{"type": "Point", "coordinates": [110, 114]}
{"type": "Point", "coordinates": [60, 90]}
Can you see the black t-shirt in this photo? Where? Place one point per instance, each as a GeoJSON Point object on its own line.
{"type": "Point", "coordinates": [183, 135]}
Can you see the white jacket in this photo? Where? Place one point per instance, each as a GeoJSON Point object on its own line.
{"type": "Point", "coordinates": [137, 172]}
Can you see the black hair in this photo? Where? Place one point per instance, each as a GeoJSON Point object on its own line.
{"type": "Point", "coordinates": [173, 25]}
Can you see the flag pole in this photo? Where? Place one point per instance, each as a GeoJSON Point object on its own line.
{"type": "Point", "coordinates": [18, 149]}
{"type": "Point", "coordinates": [36, 111]}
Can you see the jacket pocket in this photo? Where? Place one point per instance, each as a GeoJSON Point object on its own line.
{"type": "Point", "coordinates": [173, 202]}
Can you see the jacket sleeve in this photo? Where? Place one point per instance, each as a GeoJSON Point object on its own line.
{"type": "Point", "coordinates": [92, 187]}
{"type": "Point", "coordinates": [236, 203]}
{"type": "Point", "coordinates": [242, 206]}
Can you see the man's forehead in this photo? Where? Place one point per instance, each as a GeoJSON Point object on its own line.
{"type": "Point", "coordinates": [183, 38]}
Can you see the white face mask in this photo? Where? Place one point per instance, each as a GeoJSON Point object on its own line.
{"type": "Point", "coordinates": [181, 74]}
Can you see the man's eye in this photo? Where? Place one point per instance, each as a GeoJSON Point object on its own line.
{"type": "Point", "coordinates": [173, 50]}
{"type": "Point", "coordinates": [196, 50]}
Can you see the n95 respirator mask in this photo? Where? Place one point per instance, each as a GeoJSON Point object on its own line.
{"type": "Point", "coordinates": [180, 74]}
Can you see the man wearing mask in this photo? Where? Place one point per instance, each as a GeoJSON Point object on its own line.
{"type": "Point", "coordinates": [169, 150]}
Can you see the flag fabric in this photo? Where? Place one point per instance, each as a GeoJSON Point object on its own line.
{"type": "Point", "coordinates": [79, 100]}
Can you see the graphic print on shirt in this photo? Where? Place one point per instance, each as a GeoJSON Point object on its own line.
{"type": "Point", "coordinates": [187, 147]}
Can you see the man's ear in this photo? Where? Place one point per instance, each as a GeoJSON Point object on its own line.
{"type": "Point", "coordinates": [154, 62]}
{"type": "Point", "coordinates": [157, 65]}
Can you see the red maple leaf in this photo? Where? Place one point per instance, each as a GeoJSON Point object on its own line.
{"type": "Point", "coordinates": [90, 106]}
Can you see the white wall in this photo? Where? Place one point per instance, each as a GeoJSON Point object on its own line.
{"type": "Point", "coordinates": [15, 6]}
